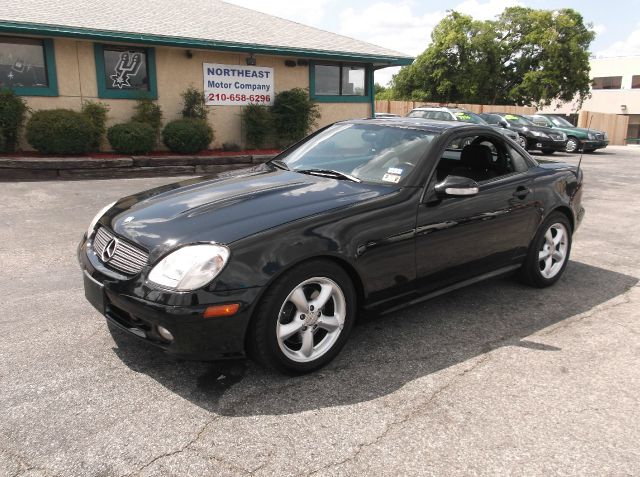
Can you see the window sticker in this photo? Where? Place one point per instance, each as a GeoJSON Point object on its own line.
{"type": "Point", "coordinates": [391, 178]}
{"type": "Point", "coordinates": [463, 115]}
{"type": "Point", "coordinates": [394, 170]}
{"type": "Point", "coordinates": [511, 117]}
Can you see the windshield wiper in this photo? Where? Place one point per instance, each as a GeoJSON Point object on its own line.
{"type": "Point", "coordinates": [329, 173]}
{"type": "Point", "coordinates": [279, 164]}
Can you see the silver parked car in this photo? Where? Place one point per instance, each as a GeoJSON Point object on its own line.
{"type": "Point", "coordinates": [456, 114]}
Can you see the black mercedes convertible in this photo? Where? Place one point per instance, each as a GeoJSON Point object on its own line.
{"type": "Point", "coordinates": [275, 261]}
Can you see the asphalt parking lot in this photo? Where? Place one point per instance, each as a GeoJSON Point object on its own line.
{"type": "Point", "coordinates": [493, 379]}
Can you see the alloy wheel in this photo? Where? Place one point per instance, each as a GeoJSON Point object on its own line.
{"type": "Point", "coordinates": [572, 145]}
{"type": "Point", "coordinates": [522, 141]}
{"type": "Point", "coordinates": [311, 319]}
{"type": "Point", "coordinates": [553, 253]}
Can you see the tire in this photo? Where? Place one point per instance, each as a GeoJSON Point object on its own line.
{"type": "Point", "coordinates": [297, 338]}
{"type": "Point", "coordinates": [522, 141]}
{"type": "Point", "coordinates": [548, 151]}
{"type": "Point", "coordinates": [573, 145]}
{"type": "Point", "coordinates": [543, 273]}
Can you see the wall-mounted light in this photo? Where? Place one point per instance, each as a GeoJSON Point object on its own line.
{"type": "Point", "coordinates": [289, 63]}
{"type": "Point", "coordinates": [623, 107]}
{"type": "Point", "coordinates": [188, 54]}
{"type": "Point", "coordinates": [251, 61]}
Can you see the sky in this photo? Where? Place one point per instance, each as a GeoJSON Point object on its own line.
{"type": "Point", "coordinates": [406, 25]}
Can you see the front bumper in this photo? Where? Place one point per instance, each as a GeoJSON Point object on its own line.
{"type": "Point", "coordinates": [542, 143]}
{"type": "Point", "coordinates": [589, 144]}
{"type": "Point", "coordinates": [194, 337]}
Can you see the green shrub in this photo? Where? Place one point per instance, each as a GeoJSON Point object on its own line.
{"type": "Point", "coordinates": [294, 114]}
{"type": "Point", "coordinates": [60, 131]}
{"type": "Point", "coordinates": [187, 135]}
{"type": "Point", "coordinates": [148, 112]}
{"type": "Point", "coordinates": [132, 138]}
{"type": "Point", "coordinates": [13, 110]}
{"type": "Point", "coordinates": [230, 146]}
{"type": "Point", "coordinates": [1, 140]}
{"type": "Point", "coordinates": [193, 104]}
{"type": "Point", "coordinates": [96, 113]}
{"type": "Point", "coordinates": [258, 124]}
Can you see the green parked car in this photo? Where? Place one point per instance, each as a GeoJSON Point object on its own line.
{"type": "Point", "coordinates": [577, 138]}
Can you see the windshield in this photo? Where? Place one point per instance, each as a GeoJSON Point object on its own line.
{"type": "Point", "coordinates": [515, 119]}
{"type": "Point", "coordinates": [561, 122]}
{"type": "Point", "coordinates": [469, 117]}
{"type": "Point", "coordinates": [368, 152]}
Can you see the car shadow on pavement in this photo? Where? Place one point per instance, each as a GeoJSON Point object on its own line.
{"type": "Point", "coordinates": [386, 352]}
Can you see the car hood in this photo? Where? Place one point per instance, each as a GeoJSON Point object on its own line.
{"type": "Point", "coordinates": [520, 127]}
{"type": "Point", "coordinates": [230, 206]}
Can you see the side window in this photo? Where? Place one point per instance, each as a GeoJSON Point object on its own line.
{"type": "Point", "coordinates": [481, 158]}
{"type": "Point", "coordinates": [518, 163]}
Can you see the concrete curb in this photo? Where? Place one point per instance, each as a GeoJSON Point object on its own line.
{"type": "Point", "coordinates": [76, 168]}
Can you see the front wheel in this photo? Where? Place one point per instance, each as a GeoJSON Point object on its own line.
{"type": "Point", "coordinates": [572, 144]}
{"type": "Point", "coordinates": [549, 252]}
{"type": "Point", "coordinates": [304, 319]}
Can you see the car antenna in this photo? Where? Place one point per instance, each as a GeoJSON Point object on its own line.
{"type": "Point", "coordinates": [582, 151]}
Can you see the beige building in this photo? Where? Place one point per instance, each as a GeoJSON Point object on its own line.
{"type": "Point", "coordinates": [615, 90]}
{"type": "Point", "coordinates": [60, 53]}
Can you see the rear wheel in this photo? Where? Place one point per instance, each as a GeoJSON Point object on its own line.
{"type": "Point", "coordinates": [572, 144]}
{"type": "Point", "coordinates": [304, 319]}
{"type": "Point", "coordinates": [549, 252]}
{"type": "Point", "coordinates": [522, 141]}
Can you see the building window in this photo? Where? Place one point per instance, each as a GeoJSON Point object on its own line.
{"type": "Point", "coordinates": [607, 82]}
{"type": "Point", "coordinates": [635, 81]}
{"type": "Point", "coordinates": [28, 67]}
{"type": "Point", "coordinates": [338, 82]}
{"type": "Point", "coordinates": [125, 72]}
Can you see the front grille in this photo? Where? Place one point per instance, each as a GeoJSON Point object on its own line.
{"type": "Point", "coordinates": [124, 257]}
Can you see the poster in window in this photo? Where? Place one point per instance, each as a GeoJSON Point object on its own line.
{"type": "Point", "coordinates": [126, 69]}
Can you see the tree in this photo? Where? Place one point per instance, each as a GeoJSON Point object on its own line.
{"type": "Point", "coordinates": [546, 55]}
{"type": "Point", "coordinates": [526, 56]}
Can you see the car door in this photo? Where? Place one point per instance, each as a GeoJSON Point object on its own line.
{"type": "Point", "coordinates": [458, 238]}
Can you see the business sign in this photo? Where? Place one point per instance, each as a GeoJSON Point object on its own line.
{"type": "Point", "coordinates": [237, 85]}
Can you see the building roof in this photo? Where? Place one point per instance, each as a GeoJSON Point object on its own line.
{"type": "Point", "coordinates": [210, 24]}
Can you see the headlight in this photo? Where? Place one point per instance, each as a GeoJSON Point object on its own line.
{"type": "Point", "coordinates": [539, 134]}
{"type": "Point", "coordinates": [591, 136]}
{"type": "Point", "coordinates": [98, 216]}
{"type": "Point", "coordinates": [190, 267]}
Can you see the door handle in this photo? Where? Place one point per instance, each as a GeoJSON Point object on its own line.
{"type": "Point", "coordinates": [521, 192]}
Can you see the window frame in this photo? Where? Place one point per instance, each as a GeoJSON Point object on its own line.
{"type": "Point", "coordinates": [604, 78]}
{"type": "Point", "coordinates": [635, 78]}
{"type": "Point", "coordinates": [106, 93]}
{"type": "Point", "coordinates": [324, 98]}
{"type": "Point", "coordinates": [50, 67]}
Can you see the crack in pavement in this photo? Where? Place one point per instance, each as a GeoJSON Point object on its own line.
{"type": "Point", "coordinates": [24, 465]}
{"type": "Point", "coordinates": [409, 415]}
{"type": "Point", "coordinates": [189, 446]}
{"type": "Point", "coordinates": [620, 300]}
{"type": "Point", "coordinates": [182, 449]}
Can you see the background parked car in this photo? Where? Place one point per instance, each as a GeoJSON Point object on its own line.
{"type": "Point", "coordinates": [387, 115]}
{"type": "Point", "coordinates": [457, 114]}
{"type": "Point", "coordinates": [577, 138]}
{"type": "Point", "coordinates": [530, 136]}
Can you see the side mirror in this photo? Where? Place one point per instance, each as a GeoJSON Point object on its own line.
{"type": "Point", "coordinates": [456, 186]}
{"type": "Point", "coordinates": [504, 124]}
